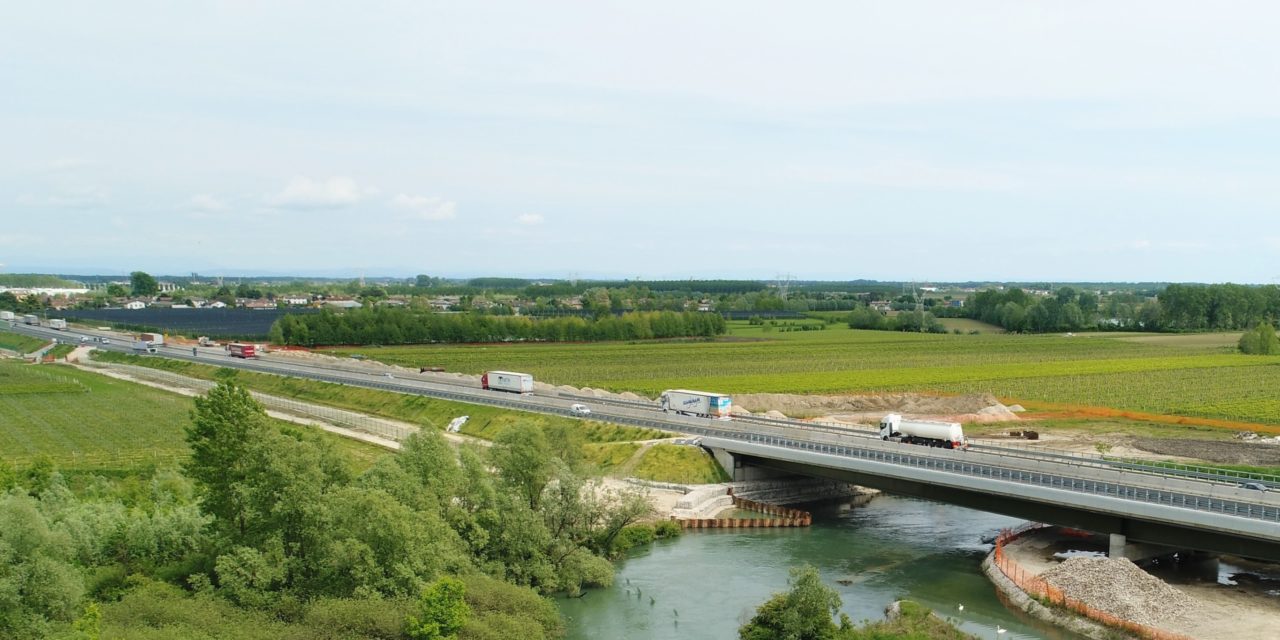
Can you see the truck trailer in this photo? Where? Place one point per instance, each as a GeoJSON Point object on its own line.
{"type": "Point", "coordinates": [58, 323]}
{"type": "Point", "coordinates": [31, 319]}
{"type": "Point", "coordinates": [507, 381]}
{"type": "Point", "coordinates": [7, 315]}
{"type": "Point", "coordinates": [947, 435]}
{"type": "Point", "coordinates": [240, 350]}
{"type": "Point", "coordinates": [696, 403]}
{"type": "Point", "coordinates": [153, 339]}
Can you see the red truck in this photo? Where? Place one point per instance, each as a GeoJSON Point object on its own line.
{"type": "Point", "coordinates": [239, 350]}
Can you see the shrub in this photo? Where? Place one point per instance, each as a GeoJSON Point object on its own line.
{"type": "Point", "coordinates": [666, 529]}
{"type": "Point", "coordinates": [633, 536]}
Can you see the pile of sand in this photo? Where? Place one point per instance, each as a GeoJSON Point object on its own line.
{"type": "Point", "coordinates": [1119, 587]}
{"type": "Point", "coordinates": [966, 408]}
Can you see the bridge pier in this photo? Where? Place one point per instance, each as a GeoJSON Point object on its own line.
{"type": "Point", "coordinates": [739, 471]}
{"type": "Point", "coordinates": [1117, 547]}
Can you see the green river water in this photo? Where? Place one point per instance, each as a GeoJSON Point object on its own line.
{"type": "Point", "coordinates": [706, 583]}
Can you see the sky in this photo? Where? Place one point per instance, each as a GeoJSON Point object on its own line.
{"type": "Point", "coordinates": [911, 140]}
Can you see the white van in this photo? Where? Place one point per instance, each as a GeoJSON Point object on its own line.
{"type": "Point", "coordinates": [580, 409]}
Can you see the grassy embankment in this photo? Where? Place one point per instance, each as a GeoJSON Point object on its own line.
{"type": "Point", "coordinates": [607, 446]}
{"type": "Point", "coordinates": [1152, 378]}
{"type": "Point", "coordinates": [86, 422]}
{"type": "Point", "coordinates": [19, 342]}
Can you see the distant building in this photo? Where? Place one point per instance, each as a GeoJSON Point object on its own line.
{"type": "Point", "coordinates": [294, 301]}
{"type": "Point", "coordinates": [217, 304]}
{"type": "Point", "coordinates": [343, 303]}
{"type": "Point", "coordinates": [135, 305]}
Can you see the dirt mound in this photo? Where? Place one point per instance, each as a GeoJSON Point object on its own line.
{"type": "Point", "coordinates": [1219, 451]}
{"type": "Point", "coordinates": [984, 406]}
{"type": "Point", "coordinates": [1119, 587]}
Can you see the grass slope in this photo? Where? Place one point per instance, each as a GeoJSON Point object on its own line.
{"type": "Point", "coordinates": [88, 422]}
{"type": "Point", "coordinates": [20, 343]}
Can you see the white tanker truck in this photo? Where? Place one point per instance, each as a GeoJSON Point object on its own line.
{"type": "Point", "coordinates": [933, 433]}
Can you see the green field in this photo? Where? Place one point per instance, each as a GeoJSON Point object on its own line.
{"type": "Point", "coordinates": [1173, 375]}
{"type": "Point", "coordinates": [85, 421]}
{"type": "Point", "coordinates": [20, 343]}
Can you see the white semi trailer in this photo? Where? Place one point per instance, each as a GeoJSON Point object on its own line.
{"type": "Point", "coordinates": [507, 381]}
{"type": "Point", "coordinates": [696, 403]}
{"type": "Point", "coordinates": [948, 435]}
{"type": "Point", "coordinates": [58, 323]}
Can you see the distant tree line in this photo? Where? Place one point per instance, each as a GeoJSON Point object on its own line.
{"type": "Point", "coordinates": [387, 326]}
{"type": "Point", "coordinates": [1179, 307]}
{"type": "Point", "coordinates": [864, 317]}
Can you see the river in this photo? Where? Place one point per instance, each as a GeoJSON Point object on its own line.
{"type": "Point", "coordinates": [705, 584]}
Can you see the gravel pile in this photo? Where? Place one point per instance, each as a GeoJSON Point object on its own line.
{"type": "Point", "coordinates": [1119, 587]}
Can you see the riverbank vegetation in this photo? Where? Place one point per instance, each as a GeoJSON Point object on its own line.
{"type": "Point", "coordinates": [267, 530]}
{"type": "Point", "coordinates": [808, 611]}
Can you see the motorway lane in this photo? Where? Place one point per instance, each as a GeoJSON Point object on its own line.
{"type": "Point", "coordinates": [1070, 475]}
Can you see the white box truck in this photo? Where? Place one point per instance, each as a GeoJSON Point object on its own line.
{"type": "Point", "coordinates": [696, 403]}
{"type": "Point", "coordinates": [932, 433]}
{"type": "Point", "coordinates": [31, 319]}
{"type": "Point", "coordinates": [153, 339]}
{"type": "Point", "coordinates": [58, 323]}
{"type": "Point", "coordinates": [7, 315]}
{"type": "Point", "coordinates": [507, 381]}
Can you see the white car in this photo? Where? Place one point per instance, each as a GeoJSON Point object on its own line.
{"type": "Point", "coordinates": [580, 409]}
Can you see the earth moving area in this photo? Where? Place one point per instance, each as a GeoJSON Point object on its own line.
{"type": "Point", "coordinates": [1236, 605]}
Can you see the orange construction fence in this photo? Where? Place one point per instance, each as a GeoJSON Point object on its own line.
{"type": "Point", "coordinates": [1041, 589]}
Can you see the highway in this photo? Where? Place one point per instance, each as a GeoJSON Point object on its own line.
{"type": "Point", "coordinates": [1075, 481]}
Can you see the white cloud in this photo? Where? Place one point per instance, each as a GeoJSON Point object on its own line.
{"type": "Point", "coordinates": [530, 219]}
{"type": "Point", "coordinates": [425, 208]}
{"type": "Point", "coordinates": [75, 200]}
{"type": "Point", "coordinates": [205, 203]}
{"type": "Point", "coordinates": [333, 193]}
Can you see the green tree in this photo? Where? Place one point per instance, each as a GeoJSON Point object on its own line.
{"type": "Point", "coordinates": [224, 424]}
{"type": "Point", "coordinates": [1261, 340]}
{"type": "Point", "coordinates": [144, 284]}
{"type": "Point", "coordinates": [38, 583]}
{"type": "Point", "coordinates": [803, 613]}
{"type": "Point", "coordinates": [442, 611]}
{"type": "Point", "coordinates": [523, 460]}
{"type": "Point", "coordinates": [117, 291]}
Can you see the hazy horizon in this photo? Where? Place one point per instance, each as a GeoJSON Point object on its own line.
{"type": "Point", "coordinates": [916, 141]}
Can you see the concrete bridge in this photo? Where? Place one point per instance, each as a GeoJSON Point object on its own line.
{"type": "Point", "coordinates": [1193, 510]}
{"type": "Point", "coordinates": [1162, 512]}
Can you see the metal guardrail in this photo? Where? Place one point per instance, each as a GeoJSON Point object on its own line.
{"type": "Point", "coordinates": [1170, 498]}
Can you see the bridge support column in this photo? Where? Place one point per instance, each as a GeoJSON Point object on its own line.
{"type": "Point", "coordinates": [739, 471]}
{"type": "Point", "coordinates": [1117, 547]}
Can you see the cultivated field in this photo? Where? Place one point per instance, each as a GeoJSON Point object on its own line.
{"type": "Point", "coordinates": [1177, 375]}
{"type": "Point", "coordinates": [85, 421]}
